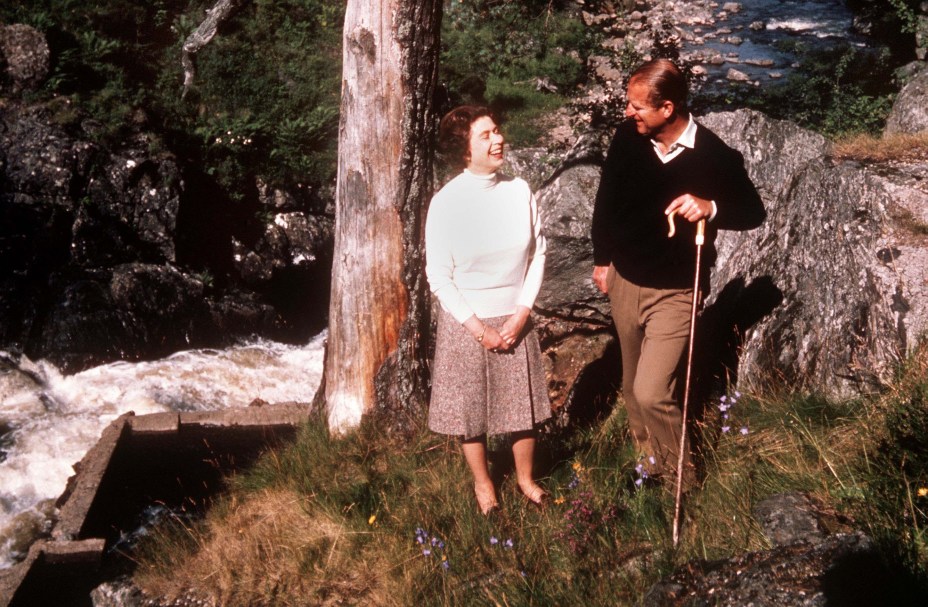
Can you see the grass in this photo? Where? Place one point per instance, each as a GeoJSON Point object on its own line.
{"type": "Point", "coordinates": [905, 147]}
{"type": "Point", "coordinates": [370, 519]}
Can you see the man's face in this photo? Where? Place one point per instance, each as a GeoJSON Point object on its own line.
{"type": "Point", "coordinates": [649, 120]}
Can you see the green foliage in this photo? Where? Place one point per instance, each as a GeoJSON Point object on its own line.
{"type": "Point", "coordinates": [840, 91]}
{"type": "Point", "coordinates": [895, 504]}
{"type": "Point", "coordinates": [266, 95]}
{"type": "Point", "coordinates": [496, 52]}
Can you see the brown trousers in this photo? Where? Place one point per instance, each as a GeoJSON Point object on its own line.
{"type": "Point", "coordinates": [653, 327]}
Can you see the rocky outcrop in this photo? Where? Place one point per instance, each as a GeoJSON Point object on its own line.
{"type": "Point", "coordinates": [807, 567]}
{"type": "Point", "coordinates": [24, 58]}
{"type": "Point", "coordinates": [131, 253]}
{"type": "Point", "coordinates": [827, 295]}
{"type": "Point", "coordinates": [910, 110]}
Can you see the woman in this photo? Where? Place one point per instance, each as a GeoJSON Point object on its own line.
{"type": "Point", "coordinates": [485, 257]}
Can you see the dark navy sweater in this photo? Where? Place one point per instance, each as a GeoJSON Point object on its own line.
{"type": "Point", "coordinates": [629, 225]}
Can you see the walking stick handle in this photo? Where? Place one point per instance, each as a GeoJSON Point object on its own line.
{"type": "Point", "coordinates": [700, 229]}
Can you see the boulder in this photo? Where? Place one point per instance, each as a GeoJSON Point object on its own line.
{"type": "Point", "coordinates": [827, 295]}
{"type": "Point", "coordinates": [112, 254]}
{"type": "Point", "coordinates": [910, 110]}
{"type": "Point", "coordinates": [24, 58]}
{"type": "Point", "coordinates": [831, 288]}
{"type": "Point", "coordinates": [815, 561]}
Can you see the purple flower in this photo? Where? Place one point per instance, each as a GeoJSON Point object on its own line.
{"type": "Point", "coordinates": [446, 564]}
{"type": "Point", "coordinates": [652, 460]}
{"type": "Point", "coordinates": [737, 394]}
{"type": "Point", "coordinates": [493, 540]}
{"type": "Point", "coordinates": [426, 552]}
{"type": "Point", "coordinates": [638, 482]}
{"type": "Point", "coordinates": [744, 430]}
{"type": "Point", "coordinates": [725, 429]}
{"type": "Point", "coordinates": [508, 543]}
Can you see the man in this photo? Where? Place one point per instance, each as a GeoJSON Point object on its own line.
{"type": "Point", "coordinates": [660, 162]}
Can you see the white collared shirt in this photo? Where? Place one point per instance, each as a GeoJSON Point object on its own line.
{"type": "Point", "coordinates": [687, 139]}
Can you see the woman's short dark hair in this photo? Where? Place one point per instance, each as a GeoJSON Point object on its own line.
{"type": "Point", "coordinates": [665, 82]}
{"type": "Point", "coordinates": [454, 132]}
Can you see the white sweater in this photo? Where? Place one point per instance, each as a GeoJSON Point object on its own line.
{"type": "Point", "coordinates": [484, 250]}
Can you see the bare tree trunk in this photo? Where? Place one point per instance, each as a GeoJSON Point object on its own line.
{"type": "Point", "coordinates": [378, 316]}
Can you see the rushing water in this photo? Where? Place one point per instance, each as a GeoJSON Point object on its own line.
{"type": "Point", "coordinates": [815, 24]}
{"type": "Point", "coordinates": [48, 421]}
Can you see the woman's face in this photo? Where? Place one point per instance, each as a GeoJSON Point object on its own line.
{"type": "Point", "coordinates": [485, 152]}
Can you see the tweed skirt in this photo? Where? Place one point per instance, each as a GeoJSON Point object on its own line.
{"type": "Point", "coordinates": [475, 391]}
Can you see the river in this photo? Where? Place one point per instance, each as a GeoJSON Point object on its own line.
{"type": "Point", "coordinates": [752, 39]}
{"type": "Point", "coordinates": [48, 420]}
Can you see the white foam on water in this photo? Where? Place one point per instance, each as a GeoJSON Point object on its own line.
{"type": "Point", "coordinates": [56, 420]}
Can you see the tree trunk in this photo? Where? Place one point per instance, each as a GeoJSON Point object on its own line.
{"type": "Point", "coordinates": [378, 316]}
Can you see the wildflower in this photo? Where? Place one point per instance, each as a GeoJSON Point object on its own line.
{"type": "Point", "coordinates": [744, 431]}
{"type": "Point", "coordinates": [445, 564]}
{"type": "Point", "coordinates": [737, 394]}
{"type": "Point", "coordinates": [725, 429]}
{"type": "Point", "coordinates": [651, 460]}
{"type": "Point", "coordinates": [573, 482]}
{"type": "Point", "coordinates": [577, 466]}
{"type": "Point", "coordinates": [372, 519]}
{"type": "Point", "coordinates": [923, 492]}
{"type": "Point", "coordinates": [508, 543]}
{"type": "Point", "coordinates": [426, 552]}
{"type": "Point", "coordinates": [559, 500]}
{"type": "Point", "coordinates": [493, 540]}
{"type": "Point", "coordinates": [723, 398]}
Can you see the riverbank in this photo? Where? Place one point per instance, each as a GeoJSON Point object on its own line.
{"type": "Point", "coordinates": [363, 519]}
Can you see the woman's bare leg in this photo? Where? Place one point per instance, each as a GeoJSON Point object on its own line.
{"type": "Point", "coordinates": [475, 452]}
{"type": "Point", "coordinates": [523, 452]}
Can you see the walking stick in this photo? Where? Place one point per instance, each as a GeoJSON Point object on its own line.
{"type": "Point", "coordinates": [700, 240]}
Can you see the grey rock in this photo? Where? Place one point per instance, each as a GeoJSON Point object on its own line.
{"type": "Point", "coordinates": [24, 58]}
{"type": "Point", "coordinates": [843, 569]}
{"type": "Point", "coordinates": [910, 110]}
{"type": "Point", "coordinates": [789, 518]}
{"type": "Point", "coordinates": [95, 242]}
{"type": "Point", "coordinates": [737, 75]}
{"type": "Point", "coordinates": [828, 294]}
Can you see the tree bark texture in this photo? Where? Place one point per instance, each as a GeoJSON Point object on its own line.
{"type": "Point", "coordinates": [378, 316]}
{"type": "Point", "coordinates": [201, 36]}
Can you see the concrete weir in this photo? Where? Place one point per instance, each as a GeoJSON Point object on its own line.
{"type": "Point", "coordinates": [175, 459]}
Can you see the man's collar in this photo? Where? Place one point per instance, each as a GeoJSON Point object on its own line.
{"type": "Point", "coordinates": [687, 139]}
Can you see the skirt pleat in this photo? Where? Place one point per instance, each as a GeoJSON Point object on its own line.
{"type": "Point", "coordinates": [475, 391]}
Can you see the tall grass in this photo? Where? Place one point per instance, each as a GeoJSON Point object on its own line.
{"type": "Point", "coordinates": [370, 519]}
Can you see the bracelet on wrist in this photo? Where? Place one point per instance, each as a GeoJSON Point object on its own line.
{"type": "Point", "coordinates": [482, 333]}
